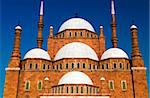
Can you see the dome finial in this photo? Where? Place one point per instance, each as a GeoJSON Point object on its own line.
{"type": "Point", "coordinates": [112, 7]}
{"type": "Point", "coordinates": [41, 7]}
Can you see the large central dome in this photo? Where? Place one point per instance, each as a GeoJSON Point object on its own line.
{"type": "Point", "coordinates": [76, 23]}
{"type": "Point", "coordinates": [76, 50]}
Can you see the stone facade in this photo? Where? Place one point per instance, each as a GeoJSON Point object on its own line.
{"type": "Point", "coordinates": [111, 77]}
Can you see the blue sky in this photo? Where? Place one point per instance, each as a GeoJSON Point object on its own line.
{"type": "Point", "coordinates": [97, 12]}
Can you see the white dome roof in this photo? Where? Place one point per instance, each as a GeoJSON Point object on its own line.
{"type": "Point", "coordinates": [18, 28]}
{"type": "Point", "coordinates": [76, 23]}
{"type": "Point", "coordinates": [37, 53]}
{"type": "Point", "coordinates": [114, 53]}
{"type": "Point", "coordinates": [75, 77]}
{"type": "Point", "coordinates": [76, 50]}
{"type": "Point", "coordinates": [133, 27]}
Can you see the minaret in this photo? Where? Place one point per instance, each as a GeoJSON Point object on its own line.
{"type": "Point", "coordinates": [12, 71]}
{"type": "Point", "coordinates": [40, 26]}
{"type": "Point", "coordinates": [135, 47]}
{"type": "Point", "coordinates": [50, 42]}
{"type": "Point", "coordinates": [102, 40]}
{"type": "Point", "coordinates": [16, 50]}
{"type": "Point", "coordinates": [51, 32]}
{"type": "Point", "coordinates": [138, 69]}
{"type": "Point", "coordinates": [113, 25]}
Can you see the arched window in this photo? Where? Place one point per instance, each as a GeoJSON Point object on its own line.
{"type": "Point", "coordinates": [58, 89]}
{"type": "Point", "coordinates": [72, 65]}
{"type": "Point", "coordinates": [78, 65]}
{"type": "Point", "coordinates": [43, 66]}
{"type": "Point", "coordinates": [90, 90]}
{"type": "Point", "coordinates": [83, 65]}
{"type": "Point", "coordinates": [81, 89]}
{"type": "Point", "coordinates": [124, 85]}
{"type": "Point", "coordinates": [127, 66]}
{"type": "Point", "coordinates": [39, 85]}
{"type": "Point", "coordinates": [63, 35]}
{"type": "Point", "coordinates": [115, 66]}
{"type": "Point", "coordinates": [106, 66]}
{"type": "Point", "coordinates": [121, 66]}
{"type": "Point", "coordinates": [53, 67]}
{"type": "Point", "coordinates": [111, 84]}
{"type": "Point", "coordinates": [27, 85]}
{"type": "Point", "coordinates": [67, 66]}
{"type": "Point", "coordinates": [48, 67]}
{"type": "Point", "coordinates": [60, 66]}
{"type": "Point", "coordinates": [77, 89]}
{"type": "Point", "coordinates": [75, 34]}
{"type": "Point", "coordinates": [91, 35]}
{"type": "Point", "coordinates": [66, 89]}
{"type": "Point", "coordinates": [90, 67]}
{"type": "Point", "coordinates": [24, 66]}
{"type": "Point", "coordinates": [36, 66]}
{"type": "Point", "coordinates": [71, 89]}
{"type": "Point", "coordinates": [87, 91]}
{"type": "Point", "coordinates": [93, 66]}
{"type": "Point", "coordinates": [70, 34]}
{"type": "Point", "coordinates": [93, 90]}
{"type": "Point", "coordinates": [87, 35]}
{"type": "Point", "coordinates": [30, 66]}
{"type": "Point", "coordinates": [81, 34]}
{"type": "Point", "coordinates": [57, 67]}
{"type": "Point", "coordinates": [62, 89]}
{"type": "Point", "coordinates": [102, 66]}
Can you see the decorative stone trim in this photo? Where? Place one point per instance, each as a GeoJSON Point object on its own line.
{"type": "Point", "coordinates": [138, 68]}
{"type": "Point", "coordinates": [12, 69]}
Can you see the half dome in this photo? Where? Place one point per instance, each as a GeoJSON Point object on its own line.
{"type": "Point", "coordinates": [75, 77]}
{"type": "Point", "coordinates": [76, 23]}
{"type": "Point", "coordinates": [114, 53]}
{"type": "Point", "coordinates": [76, 50]}
{"type": "Point", "coordinates": [37, 53]}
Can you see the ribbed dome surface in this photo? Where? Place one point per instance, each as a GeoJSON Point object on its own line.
{"type": "Point", "coordinates": [76, 23]}
{"type": "Point", "coordinates": [37, 53]}
{"type": "Point", "coordinates": [76, 50]}
{"type": "Point", "coordinates": [114, 53]}
{"type": "Point", "coordinates": [75, 77]}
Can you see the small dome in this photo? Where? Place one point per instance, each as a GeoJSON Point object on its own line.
{"type": "Point", "coordinates": [75, 77]}
{"type": "Point", "coordinates": [76, 50]}
{"type": "Point", "coordinates": [133, 27]}
{"type": "Point", "coordinates": [114, 53]}
{"type": "Point", "coordinates": [37, 53]}
{"type": "Point", "coordinates": [76, 23]}
{"type": "Point", "coordinates": [18, 28]}
{"type": "Point", "coordinates": [101, 27]}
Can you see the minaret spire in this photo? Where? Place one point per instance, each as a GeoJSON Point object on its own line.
{"type": "Point", "coordinates": [40, 25]}
{"type": "Point", "coordinates": [113, 25]}
{"type": "Point", "coordinates": [42, 7]}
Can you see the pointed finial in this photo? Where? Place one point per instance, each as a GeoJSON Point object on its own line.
{"type": "Point", "coordinates": [41, 7]}
{"type": "Point", "coordinates": [112, 7]}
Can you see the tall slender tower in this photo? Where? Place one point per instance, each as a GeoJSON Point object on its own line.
{"type": "Point", "coordinates": [50, 42]}
{"type": "Point", "coordinates": [12, 72]}
{"type": "Point", "coordinates": [138, 69]}
{"type": "Point", "coordinates": [102, 40]}
{"type": "Point", "coordinates": [113, 25]}
{"type": "Point", "coordinates": [40, 26]}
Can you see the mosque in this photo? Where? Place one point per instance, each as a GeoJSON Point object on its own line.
{"type": "Point", "coordinates": [76, 64]}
